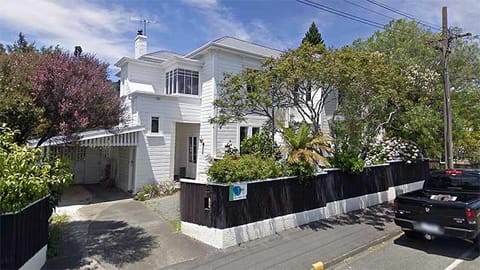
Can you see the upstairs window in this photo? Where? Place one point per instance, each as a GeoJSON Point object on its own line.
{"type": "Point", "coordinates": [181, 81]}
{"type": "Point", "coordinates": [154, 126]}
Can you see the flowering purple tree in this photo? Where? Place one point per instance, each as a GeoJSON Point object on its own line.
{"type": "Point", "coordinates": [75, 94]}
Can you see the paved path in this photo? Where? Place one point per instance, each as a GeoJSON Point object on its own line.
{"type": "Point", "coordinates": [327, 240]}
{"type": "Point", "coordinates": [403, 253]}
{"type": "Point", "coordinates": [121, 234]}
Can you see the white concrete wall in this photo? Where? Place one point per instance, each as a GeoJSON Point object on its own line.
{"type": "Point", "coordinates": [36, 261]}
{"type": "Point", "coordinates": [223, 238]}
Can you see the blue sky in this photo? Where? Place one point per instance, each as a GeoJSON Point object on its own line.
{"type": "Point", "coordinates": [107, 29]}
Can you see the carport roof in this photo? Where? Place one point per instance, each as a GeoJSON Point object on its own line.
{"type": "Point", "coordinates": [124, 136]}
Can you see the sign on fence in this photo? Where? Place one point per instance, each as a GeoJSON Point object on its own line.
{"type": "Point", "coordinates": [237, 191]}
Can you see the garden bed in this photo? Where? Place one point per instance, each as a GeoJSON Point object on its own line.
{"type": "Point", "coordinates": [209, 214]}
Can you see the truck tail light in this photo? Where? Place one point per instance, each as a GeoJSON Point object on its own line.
{"type": "Point", "coordinates": [453, 172]}
{"type": "Point", "coordinates": [470, 214]}
{"type": "Point", "coordinates": [395, 205]}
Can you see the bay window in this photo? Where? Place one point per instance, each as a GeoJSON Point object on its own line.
{"type": "Point", "coordinates": [181, 81]}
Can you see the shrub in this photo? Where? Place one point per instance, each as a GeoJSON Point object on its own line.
{"type": "Point", "coordinates": [156, 190]}
{"type": "Point", "coordinates": [260, 144]}
{"type": "Point", "coordinates": [347, 162]}
{"type": "Point", "coordinates": [392, 149]}
{"type": "Point", "coordinates": [243, 168]}
{"type": "Point", "coordinates": [26, 175]}
{"type": "Point", "coordinates": [301, 169]}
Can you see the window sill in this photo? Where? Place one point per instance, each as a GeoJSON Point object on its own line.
{"type": "Point", "coordinates": [183, 95]}
{"type": "Point", "coordinates": [160, 134]}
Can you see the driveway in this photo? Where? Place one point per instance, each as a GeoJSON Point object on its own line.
{"type": "Point", "coordinates": [108, 230]}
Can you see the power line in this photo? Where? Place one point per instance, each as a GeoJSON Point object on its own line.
{"type": "Point", "coordinates": [350, 16]}
{"type": "Point", "coordinates": [342, 14]}
{"type": "Point", "coordinates": [404, 14]}
{"type": "Point", "coordinates": [371, 10]}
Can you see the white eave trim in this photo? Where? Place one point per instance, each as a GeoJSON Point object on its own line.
{"type": "Point", "coordinates": [211, 45]}
{"type": "Point", "coordinates": [126, 136]}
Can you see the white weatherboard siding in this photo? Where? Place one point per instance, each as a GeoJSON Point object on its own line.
{"type": "Point", "coordinates": [154, 162]}
{"type": "Point", "coordinates": [223, 238]}
{"type": "Point", "coordinates": [226, 62]}
{"type": "Point", "coordinates": [226, 134]}
{"type": "Point", "coordinates": [146, 78]}
{"type": "Point", "coordinates": [182, 132]}
{"type": "Point", "coordinates": [123, 165]}
{"type": "Point", "coordinates": [206, 130]}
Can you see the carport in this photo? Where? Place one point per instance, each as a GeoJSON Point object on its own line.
{"type": "Point", "coordinates": [100, 156]}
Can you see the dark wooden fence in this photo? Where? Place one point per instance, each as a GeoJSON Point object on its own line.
{"type": "Point", "coordinates": [209, 205]}
{"type": "Point", "coordinates": [24, 233]}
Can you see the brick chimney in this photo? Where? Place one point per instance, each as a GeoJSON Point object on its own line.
{"type": "Point", "coordinates": [140, 44]}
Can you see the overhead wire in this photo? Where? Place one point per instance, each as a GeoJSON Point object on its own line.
{"type": "Point", "coordinates": [368, 9]}
{"type": "Point", "coordinates": [347, 15]}
{"type": "Point", "coordinates": [342, 13]}
{"type": "Point", "coordinates": [404, 14]}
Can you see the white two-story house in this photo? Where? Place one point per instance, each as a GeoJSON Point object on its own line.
{"type": "Point", "coordinates": [171, 96]}
{"type": "Point", "coordinates": [169, 102]}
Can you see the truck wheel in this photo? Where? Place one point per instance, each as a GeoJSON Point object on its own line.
{"type": "Point", "coordinates": [412, 234]}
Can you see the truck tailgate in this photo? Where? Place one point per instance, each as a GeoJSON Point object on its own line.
{"type": "Point", "coordinates": [423, 209]}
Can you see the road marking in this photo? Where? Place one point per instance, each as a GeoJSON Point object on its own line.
{"type": "Point", "coordinates": [457, 262]}
{"type": "Point", "coordinates": [318, 266]}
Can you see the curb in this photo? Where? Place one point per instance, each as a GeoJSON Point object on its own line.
{"type": "Point", "coordinates": [324, 265]}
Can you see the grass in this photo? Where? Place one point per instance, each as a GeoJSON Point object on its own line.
{"type": "Point", "coordinates": [56, 222]}
{"type": "Point", "coordinates": [176, 224]}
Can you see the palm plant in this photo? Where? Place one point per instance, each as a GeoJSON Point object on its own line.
{"type": "Point", "coordinates": [302, 145]}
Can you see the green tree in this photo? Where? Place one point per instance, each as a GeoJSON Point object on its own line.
{"type": "Point", "coordinates": [250, 92]}
{"type": "Point", "coordinates": [303, 145]}
{"type": "Point", "coordinates": [26, 176]}
{"type": "Point", "coordinates": [410, 50]}
{"type": "Point", "coordinates": [313, 36]}
{"type": "Point", "coordinates": [17, 107]}
{"type": "Point", "coordinates": [418, 104]}
{"type": "Point", "coordinates": [22, 45]}
{"type": "Point", "coordinates": [367, 85]}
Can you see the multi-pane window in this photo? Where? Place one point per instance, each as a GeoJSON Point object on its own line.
{"type": "Point", "coordinates": [181, 81]}
{"type": "Point", "coordinates": [155, 123]}
{"type": "Point", "coordinates": [255, 130]}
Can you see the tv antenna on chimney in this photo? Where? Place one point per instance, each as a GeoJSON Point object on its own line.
{"type": "Point", "coordinates": [143, 23]}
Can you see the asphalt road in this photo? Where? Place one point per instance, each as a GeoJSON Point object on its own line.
{"type": "Point", "coordinates": [403, 253]}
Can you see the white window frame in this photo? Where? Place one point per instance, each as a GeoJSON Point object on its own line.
{"type": "Point", "coordinates": [172, 83]}
{"type": "Point", "coordinates": [151, 124]}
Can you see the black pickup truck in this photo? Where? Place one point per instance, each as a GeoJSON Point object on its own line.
{"type": "Point", "coordinates": [447, 206]}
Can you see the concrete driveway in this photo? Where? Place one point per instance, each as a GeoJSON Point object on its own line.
{"type": "Point", "coordinates": [108, 230]}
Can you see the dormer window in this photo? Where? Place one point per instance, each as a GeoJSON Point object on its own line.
{"type": "Point", "coordinates": [181, 81]}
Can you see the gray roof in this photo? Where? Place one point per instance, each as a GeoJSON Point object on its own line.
{"type": "Point", "coordinates": [240, 45]}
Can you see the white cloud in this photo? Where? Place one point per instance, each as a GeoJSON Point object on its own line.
{"type": "Point", "coordinates": [202, 3]}
{"type": "Point", "coordinates": [97, 29]}
{"type": "Point", "coordinates": [221, 22]}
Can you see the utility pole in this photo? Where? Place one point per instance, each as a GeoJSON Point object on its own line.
{"type": "Point", "coordinates": [447, 117]}
{"type": "Point", "coordinates": [445, 42]}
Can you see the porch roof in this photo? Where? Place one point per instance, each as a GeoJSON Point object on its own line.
{"type": "Point", "coordinates": [125, 136]}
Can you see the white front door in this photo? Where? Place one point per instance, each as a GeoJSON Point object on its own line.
{"type": "Point", "coordinates": [192, 157]}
